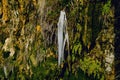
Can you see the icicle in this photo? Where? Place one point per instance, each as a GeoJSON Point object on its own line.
{"type": "Point", "coordinates": [5, 71]}
{"type": "Point", "coordinates": [66, 39]}
{"type": "Point", "coordinates": [62, 27]}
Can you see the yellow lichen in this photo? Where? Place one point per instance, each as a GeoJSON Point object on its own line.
{"type": "Point", "coordinates": [21, 5]}
{"type": "Point", "coordinates": [38, 28]}
{"type": "Point", "coordinates": [5, 10]}
{"type": "Point", "coordinates": [34, 2]}
{"type": "Point", "coordinates": [0, 9]}
{"type": "Point", "coordinates": [33, 60]}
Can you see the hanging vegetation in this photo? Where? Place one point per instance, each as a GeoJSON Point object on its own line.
{"type": "Point", "coordinates": [29, 40]}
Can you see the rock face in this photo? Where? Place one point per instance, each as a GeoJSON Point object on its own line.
{"type": "Point", "coordinates": [104, 52]}
{"type": "Point", "coordinates": [107, 46]}
{"type": "Point", "coordinates": [106, 42]}
{"type": "Point", "coordinates": [28, 33]}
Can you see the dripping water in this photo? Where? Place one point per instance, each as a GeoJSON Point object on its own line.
{"type": "Point", "coordinates": [62, 29]}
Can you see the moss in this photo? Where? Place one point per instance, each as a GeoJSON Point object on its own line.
{"type": "Point", "coordinates": [33, 24]}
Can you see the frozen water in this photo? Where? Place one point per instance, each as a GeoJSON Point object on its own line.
{"type": "Point", "coordinates": [62, 27]}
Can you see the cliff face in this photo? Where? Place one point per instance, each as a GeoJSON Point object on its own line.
{"type": "Point", "coordinates": [28, 39]}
